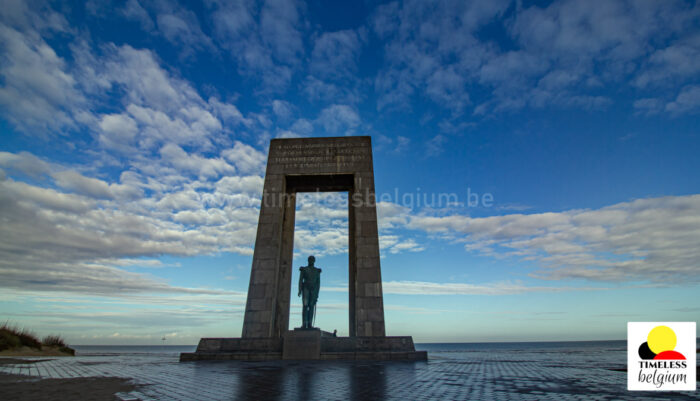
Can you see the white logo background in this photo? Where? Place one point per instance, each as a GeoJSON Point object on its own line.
{"type": "Point", "coordinates": [637, 333]}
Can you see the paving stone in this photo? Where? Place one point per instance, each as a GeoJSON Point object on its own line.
{"type": "Point", "coordinates": [501, 375]}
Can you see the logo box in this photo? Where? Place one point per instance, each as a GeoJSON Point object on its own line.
{"type": "Point", "coordinates": [661, 356]}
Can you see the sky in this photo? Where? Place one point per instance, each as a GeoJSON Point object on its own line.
{"type": "Point", "coordinates": [536, 163]}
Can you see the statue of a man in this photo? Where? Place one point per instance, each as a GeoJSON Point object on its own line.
{"type": "Point", "coordinates": [309, 284]}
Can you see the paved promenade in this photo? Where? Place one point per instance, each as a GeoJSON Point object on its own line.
{"type": "Point", "coordinates": [492, 375]}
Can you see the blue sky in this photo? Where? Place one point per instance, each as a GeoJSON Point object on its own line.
{"type": "Point", "coordinates": [562, 136]}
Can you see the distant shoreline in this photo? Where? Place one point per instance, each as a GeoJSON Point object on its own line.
{"type": "Point", "coordinates": [423, 343]}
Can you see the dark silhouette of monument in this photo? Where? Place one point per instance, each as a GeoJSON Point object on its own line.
{"type": "Point", "coordinates": [313, 165]}
{"type": "Point", "coordinates": [309, 285]}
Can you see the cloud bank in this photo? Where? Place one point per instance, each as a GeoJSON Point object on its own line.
{"type": "Point", "coordinates": [650, 240]}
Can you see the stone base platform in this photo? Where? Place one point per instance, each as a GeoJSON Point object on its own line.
{"type": "Point", "coordinates": [306, 345]}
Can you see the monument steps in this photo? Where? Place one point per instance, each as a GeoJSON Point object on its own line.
{"type": "Point", "coordinates": [324, 356]}
{"type": "Point", "coordinates": [307, 345]}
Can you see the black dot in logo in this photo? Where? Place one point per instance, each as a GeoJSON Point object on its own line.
{"type": "Point", "coordinates": [645, 352]}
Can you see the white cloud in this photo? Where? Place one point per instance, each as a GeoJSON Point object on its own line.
{"type": "Point", "coordinates": [321, 224]}
{"type": "Point", "coordinates": [303, 127]}
{"type": "Point", "coordinates": [335, 54]}
{"type": "Point", "coordinates": [86, 318]}
{"type": "Point", "coordinates": [433, 288]}
{"type": "Point", "coordinates": [385, 19]}
{"type": "Point", "coordinates": [228, 112]}
{"type": "Point", "coordinates": [158, 107]}
{"type": "Point", "coordinates": [321, 208]}
{"type": "Point", "coordinates": [501, 288]}
{"type": "Point", "coordinates": [562, 54]}
{"type": "Point", "coordinates": [339, 118]}
{"type": "Point", "coordinates": [435, 145]}
{"type": "Point", "coordinates": [197, 199]}
{"type": "Point", "coordinates": [246, 158]}
{"type": "Point", "coordinates": [145, 82]}
{"type": "Point", "coordinates": [264, 40]}
{"type": "Point", "coordinates": [54, 240]}
{"type": "Point", "coordinates": [431, 50]}
{"type": "Point", "coordinates": [201, 217]}
{"type": "Point", "coordinates": [447, 87]}
{"type": "Point", "coordinates": [187, 199]}
{"type": "Point", "coordinates": [86, 279]}
{"type": "Point", "coordinates": [38, 93]}
{"type": "Point", "coordinates": [325, 91]}
{"type": "Point", "coordinates": [321, 242]}
{"type": "Point", "coordinates": [511, 65]}
{"type": "Point", "coordinates": [409, 245]}
{"type": "Point", "coordinates": [402, 143]}
{"type": "Point", "coordinates": [391, 215]}
{"type": "Point", "coordinates": [133, 10]}
{"type": "Point", "coordinates": [591, 41]}
{"type": "Point", "coordinates": [282, 109]}
{"type": "Point", "coordinates": [399, 144]}
{"type": "Point", "coordinates": [44, 198]}
{"type": "Point", "coordinates": [32, 15]}
{"type": "Point", "coordinates": [43, 94]}
{"type": "Point", "coordinates": [687, 101]}
{"type": "Point", "coordinates": [92, 187]}
{"type": "Point", "coordinates": [279, 23]}
{"type": "Point", "coordinates": [181, 27]}
{"type": "Point", "coordinates": [642, 240]}
{"type": "Point", "coordinates": [252, 185]}
{"type": "Point", "coordinates": [24, 162]}
{"type": "Point", "coordinates": [118, 131]}
{"type": "Point", "coordinates": [678, 61]}
{"type": "Point", "coordinates": [204, 167]}
{"type": "Point", "coordinates": [287, 134]}
{"type": "Point", "coordinates": [149, 263]}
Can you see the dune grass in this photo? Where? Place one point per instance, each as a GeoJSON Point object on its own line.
{"type": "Point", "coordinates": [12, 337]}
{"type": "Point", "coordinates": [54, 341]}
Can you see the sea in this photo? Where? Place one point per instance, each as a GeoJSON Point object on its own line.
{"type": "Point", "coordinates": [616, 348]}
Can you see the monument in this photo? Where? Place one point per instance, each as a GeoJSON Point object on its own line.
{"type": "Point", "coordinates": [309, 285]}
{"type": "Point", "coordinates": [313, 165]}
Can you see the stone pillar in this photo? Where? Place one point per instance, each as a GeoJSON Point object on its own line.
{"type": "Point", "coordinates": [352, 267]}
{"type": "Point", "coordinates": [263, 289]}
{"type": "Point", "coordinates": [366, 305]}
{"type": "Point", "coordinates": [284, 281]}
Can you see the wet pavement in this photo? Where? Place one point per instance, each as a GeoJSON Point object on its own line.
{"type": "Point", "coordinates": [512, 374]}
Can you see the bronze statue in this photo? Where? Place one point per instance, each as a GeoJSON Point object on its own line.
{"type": "Point", "coordinates": [309, 284]}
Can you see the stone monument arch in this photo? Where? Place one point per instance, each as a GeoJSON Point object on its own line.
{"type": "Point", "coordinates": [315, 165]}
{"type": "Point", "coordinates": [311, 165]}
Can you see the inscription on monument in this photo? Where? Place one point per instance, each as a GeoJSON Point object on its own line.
{"type": "Point", "coordinates": [339, 155]}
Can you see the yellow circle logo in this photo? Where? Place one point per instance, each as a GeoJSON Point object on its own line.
{"type": "Point", "coordinates": [660, 345]}
{"type": "Point", "coordinates": [661, 338]}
